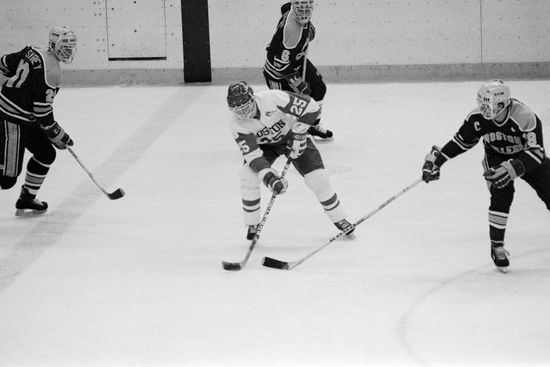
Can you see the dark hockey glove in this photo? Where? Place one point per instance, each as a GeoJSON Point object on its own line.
{"type": "Point", "coordinates": [271, 179]}
{"type": "Point", "coordinates": [296, 145]}
{"type": "Point", "coordinates": [57, 135]}
{"type": "Point", "coordinates": [299, 85]}
{"type": "Point", "coordinates": [504, 173]}
{"type": "Point", "coordinates": [430, 171]}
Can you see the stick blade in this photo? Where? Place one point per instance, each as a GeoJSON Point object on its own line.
{"type": "Point", "coordinates": [231, 266]}
{"type": "Point", "coordinates": [274, 263]}
{"type": "Point", "coordinates": [117, 194]}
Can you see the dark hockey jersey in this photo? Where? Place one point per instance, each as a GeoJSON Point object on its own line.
{"type": "Point", "coordinates": [33, 81]}
{"type": "Point", "coordinates": [518, 136]}
{"type": "Point", "coordinates": [285, 58]}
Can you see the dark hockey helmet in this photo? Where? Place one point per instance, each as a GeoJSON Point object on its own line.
{"type": "Point", "coordinates": [240, 100]}
{"type": "Point", "coordinates": [493, 98]}
{"type": "Point", "coordinates": [302, 10]}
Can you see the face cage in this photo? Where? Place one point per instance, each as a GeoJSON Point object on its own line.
{"type": "Point", "coordinates": [302, 13]}
{"type": "Point", "coordinates": [65, 52]}
{"type": "Point", "coordinates": [489, 110]}
{"type": "Point", "coordinates": [245, 111]}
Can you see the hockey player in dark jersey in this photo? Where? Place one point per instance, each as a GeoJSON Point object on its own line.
{"type": "Point", "coordinates": [513, 142]}
{"type": "Point", "coordinates": [26, 116]}
{"type": "Point", "coordinates": [266, 125]}
{"type": "Point", "coordinates": [287, 57]}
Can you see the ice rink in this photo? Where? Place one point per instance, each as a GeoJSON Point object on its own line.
{"type": "Point", "coordinates": [139, 282]}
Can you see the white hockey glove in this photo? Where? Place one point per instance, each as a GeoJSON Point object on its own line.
{"type": "Point", "coordinates": [296, 145]}
{"type": "Point", "coordinates": [271, 179]}
{"type": "Point", "coordinates": [504, 173]}
{"type": "Point", "coordinates": [430, 171]}
{"type": "Point", "coordinates": [57, 135]}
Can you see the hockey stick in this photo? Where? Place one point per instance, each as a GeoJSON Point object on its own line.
{"type": "Point", "coordinates": [233, 266]}
{"type": "Point", "coordinates": [305, 65]}
{"type": "Point", "coordinates": [283, 265]}
{"type": "Point", "coordinates": [117, 194]}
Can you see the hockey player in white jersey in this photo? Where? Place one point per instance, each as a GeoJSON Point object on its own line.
{"type": "Point", "coordinates": [266, 125]}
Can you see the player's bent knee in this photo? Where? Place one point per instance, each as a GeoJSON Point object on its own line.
{"type": "Point", "coordinates": [7, 183]}
{"type": "Point", "coordinates": [47, 156]}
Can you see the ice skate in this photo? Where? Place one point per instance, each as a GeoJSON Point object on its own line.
{"type": "Point", "coordinates": [27, 205]}
{"type": "Point", "coordinates": [500, 258]}
{"type": "Point", "coordinates": [320, 133]}
{"type": "Point", "coordinates": [251, 232]}
{"type": "Point", "coordinates": [343, 225]}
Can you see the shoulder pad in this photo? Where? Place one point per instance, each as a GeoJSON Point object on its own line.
{"type": "Point", "coordinates": [522, 115]}
{"type": "Point", "coordinates": [475, 111]}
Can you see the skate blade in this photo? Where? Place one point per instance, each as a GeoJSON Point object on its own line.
{"type": "Point", "coordinates": [503, 269]}
{"type": "Point", "coordinates": [318, 139]}
{"type": "Point", "coordinates": [26, 213]}
{"type": "Point", "coordinates": [348, 237]}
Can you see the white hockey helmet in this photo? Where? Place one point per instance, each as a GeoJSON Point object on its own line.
{"type": "Point", "coordinates": [493, 98]}
{"type": "Point", "coordinates": [62, 43]}
{"type": "Point", "coordinates": [302, 10]}
{"type": "Point", "coordinates": [240, 100]}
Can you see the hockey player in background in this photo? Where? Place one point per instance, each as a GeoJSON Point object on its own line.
{"type": "Point", "coordinates": [26, 116]}
{"type": "Point", "coordinates": [512, 138]}
{"type": "Point", "coordinates": [286, 54]}
{"type": "Point", "coordinates": [269, 124]}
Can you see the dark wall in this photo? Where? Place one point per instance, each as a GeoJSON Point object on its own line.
{"type": "Point", "coordinates": [196, 41]}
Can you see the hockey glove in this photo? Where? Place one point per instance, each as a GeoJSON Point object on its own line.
{"type": "Point", "coordinates": [430, 171]}
{"type": "Point", "coordinates": [271, 179]}
{"type": "Point", "coordinates": [296, 145]}
{"type": "Point", "coordinates": [299, 85]}
{"type": "Point", "coordinates": [57, 135]}
{"type": "Point", "coordinates": [504, 173]}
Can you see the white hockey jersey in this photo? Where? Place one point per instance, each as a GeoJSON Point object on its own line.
{"type": "Point", "coordinates": [278, 113]}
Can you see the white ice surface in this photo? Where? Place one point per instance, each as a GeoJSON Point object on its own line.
{"type": "Point", "coordinates": [139, 282]}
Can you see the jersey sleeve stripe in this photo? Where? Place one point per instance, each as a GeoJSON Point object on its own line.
{"type": "Point", "coordinates": [259, 163]}
{"type": "Point", "coordinates": [42, 104]}
{"type": "Point", "coordinates": [13, 110]}
{"type": "Point", "coordinates": [274, 72]}
{"type": "Point", "coordinates": [3, 66]}
{"type": "Point", "coordinates": [249, 157]}
{"type": "Point", "coordinates": [532, 153]}
{"type": "Point", "coordinates": [42, 110]}
{"type": "Point", "coordinates": [457, 139]}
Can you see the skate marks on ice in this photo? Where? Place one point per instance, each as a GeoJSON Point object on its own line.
{"type": "Point", "coordinates": [51, 226]}
{"type": "Point", "coordinates": [456, 320]}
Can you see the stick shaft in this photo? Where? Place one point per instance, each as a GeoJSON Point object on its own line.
{"type": "Point", "coordinates": [86, 170]}
{"type": "Point", "coordinates": [260, 226]}
{"type": "Point", "coordinates": [292, 265]}
{"type": "Point", "coordinates": [305, 65]}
